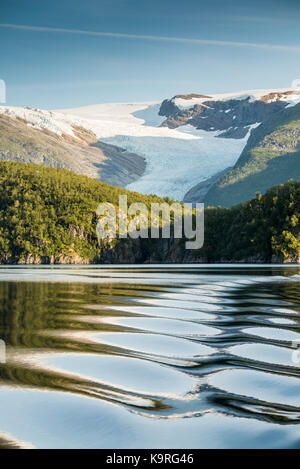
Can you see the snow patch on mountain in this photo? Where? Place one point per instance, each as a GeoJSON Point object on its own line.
{"type": "Point", "coordinates": [125, 113]}
{"type": "Point", "coordinates": [47, 120]}
{"type": "Point", "coordinates": [252, 95]}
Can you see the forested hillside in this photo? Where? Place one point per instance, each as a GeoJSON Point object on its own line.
{"type": "Point", "coordinates": [48, 215]}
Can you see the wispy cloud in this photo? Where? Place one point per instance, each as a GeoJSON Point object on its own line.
{"type": "Point", "coordinates": [262, 19]}
{"type": "Point", "coordinates": [182, 40]}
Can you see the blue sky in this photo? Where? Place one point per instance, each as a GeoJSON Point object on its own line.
{"type": "Point", "coordinates": [71, 53]}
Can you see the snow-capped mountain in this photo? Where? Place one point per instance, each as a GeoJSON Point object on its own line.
{"type": "Point", "coordinates": [231, 113]}
{"type": "Point", "coordinates": [184, 140]}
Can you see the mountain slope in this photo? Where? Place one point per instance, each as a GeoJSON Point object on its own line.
{"type": "Point", "coordinates": [271, 157]}
{"type": "Point", "coordinates": [80, 152]}
{"type": "Point", "coordinates": [232, 114]}
{"type": "Point", "coordinates": [198, 192]}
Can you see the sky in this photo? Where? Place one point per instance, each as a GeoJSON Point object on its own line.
{"type": "Point", "coordinates": [71, 53]}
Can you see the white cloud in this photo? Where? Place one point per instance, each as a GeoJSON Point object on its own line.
{"type": "Point", "coordinates": [182, 40]}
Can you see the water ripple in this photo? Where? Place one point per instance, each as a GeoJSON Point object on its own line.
{"type": "Point", "coordinates": [160, 344]}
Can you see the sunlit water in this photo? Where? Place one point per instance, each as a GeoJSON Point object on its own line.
{"type": "Point", "coordinates": [150, 357]}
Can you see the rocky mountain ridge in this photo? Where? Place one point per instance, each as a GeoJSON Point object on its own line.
{"type": "Point", "coordinates": [232, 117]}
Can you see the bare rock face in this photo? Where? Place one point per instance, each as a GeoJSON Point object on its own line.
{"type": "Point", "coordinates": [64, 259]}
{"type": "Point", "coordinates": [168, 108]}
{"type": "Point", "coordinates": [31, 259]}
{"type": "Point", "coordinates": [277, 96]}
{"type": "Point", "coordinates": [192, 95]}
{"type": "Point", "coordinates": [234, 116]}
{"type": "Point", "coordinates": [60, 259]}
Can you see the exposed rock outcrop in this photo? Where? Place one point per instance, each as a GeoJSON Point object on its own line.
{"type": "Point", "coordinates": [233, 116]}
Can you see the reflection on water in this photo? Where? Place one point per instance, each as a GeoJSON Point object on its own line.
{"type": "Point", "coordinates": [150, 356]}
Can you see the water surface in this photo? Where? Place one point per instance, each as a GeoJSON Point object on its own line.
{"type": "Point", "coordinates": [150, 357]}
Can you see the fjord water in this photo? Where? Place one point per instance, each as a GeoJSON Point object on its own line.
{"type": "Point", "coordinates": [150, 357]}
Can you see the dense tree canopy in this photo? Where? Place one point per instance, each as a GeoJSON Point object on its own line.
{"type": "Point", "coordinates": [46, 212]}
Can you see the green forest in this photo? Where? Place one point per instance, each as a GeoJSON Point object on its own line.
{"type": "Point", "coordinates": [48, 215]}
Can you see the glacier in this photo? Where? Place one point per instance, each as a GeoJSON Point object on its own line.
{"type": "Point", "coordinates": [176, 159]}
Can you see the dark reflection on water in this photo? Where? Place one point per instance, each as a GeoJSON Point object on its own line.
{"type": "Point", "coordinates": [150, 357]}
